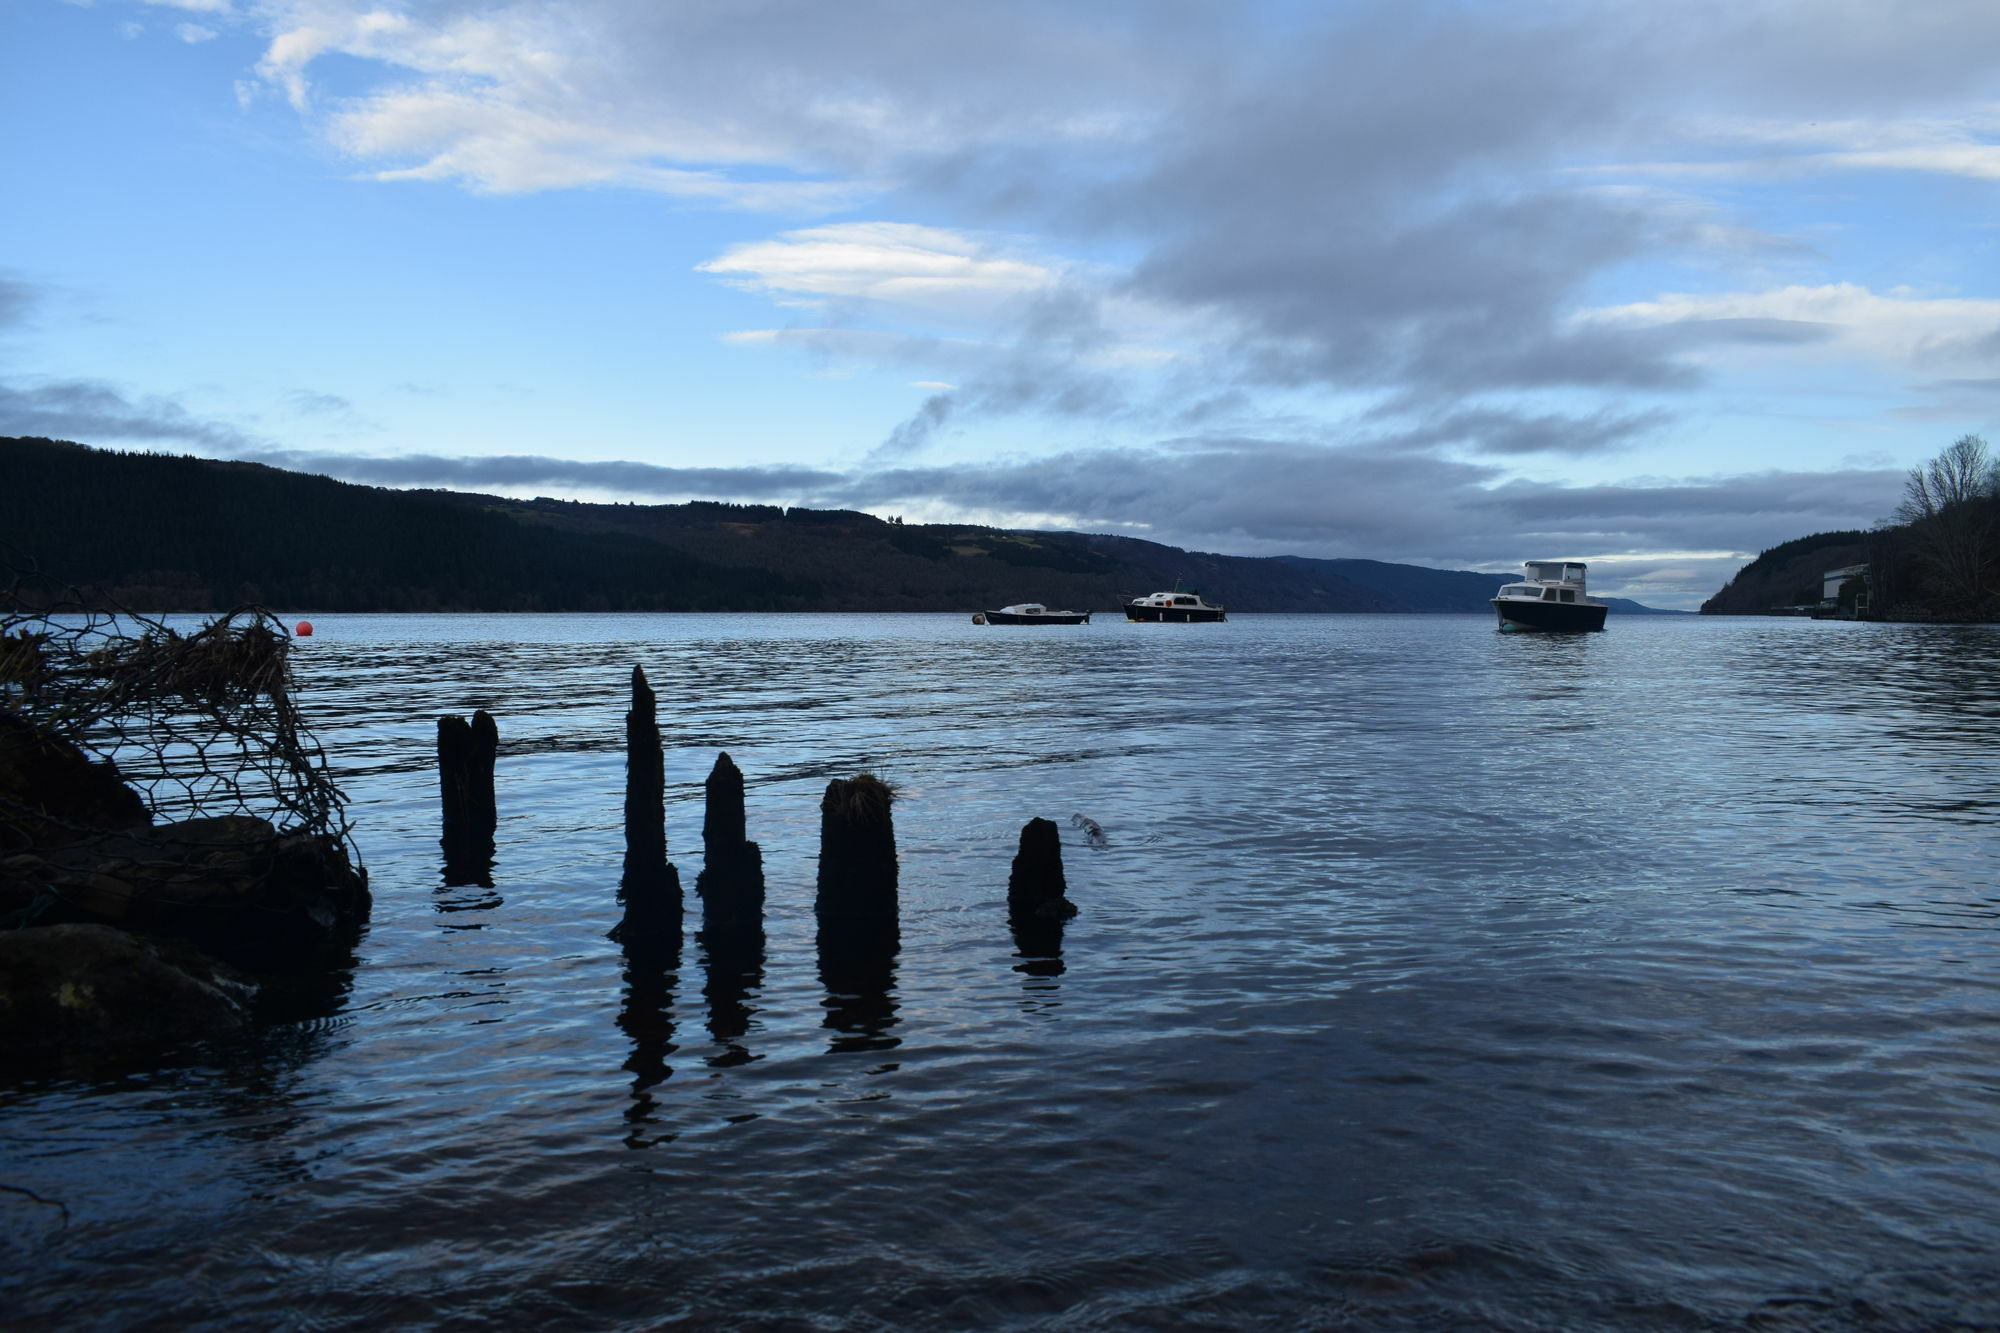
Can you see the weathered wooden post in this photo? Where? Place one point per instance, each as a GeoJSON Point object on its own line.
{"type": "Point", "coordinates": [731, 883]}
{"type": "Point", "coordinates": [466, 753]}
{"type": "Point", "coordinates": [483, 815]}
{"type": "Point", "coordinates": [1037, 904]}
{"type": "Point", "coordinates": [1036, 886]}
{"type": "Point", "coordinates": [455, 747]}
{"type": "Point", "coordinates": [858, 935]}
{"type": "Point", "coordinates": [857, 850]}
{"type": "Point", "coordinates": [650, 886]}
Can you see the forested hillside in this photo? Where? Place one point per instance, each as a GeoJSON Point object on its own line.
{"type": "Point", "coordinates": [1938, 561]}
{"type": "Point", "coordinates": [160, 532]}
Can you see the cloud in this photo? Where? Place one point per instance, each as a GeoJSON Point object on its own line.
{"type": "Point", "coordinates": [72, 409]}
{"type": "Point", "coordinates": [907, 268]}
{"type": "Point", "coordinates": [1958, 145]}
{"type": "Point", "coordinates": [1897, 329]}
{"type": "Point", "coordinates": [1157, 208]}
{"type": "Point", "coordinates": [515, 472]}
{"type": "Point", "coordinates": [194, 34]}
{"type": "Point", "coordinates": [776, 104]}
{"type": "Point", "coordinates": [1385, 503]}
{"type": "Point", "coordinates": [17, 300]}
{"type": "Point", "coordinates": [309, 403]}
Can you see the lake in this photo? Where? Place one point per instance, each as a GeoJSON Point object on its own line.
{"type": "Point", "coordinates": [1424, 977]}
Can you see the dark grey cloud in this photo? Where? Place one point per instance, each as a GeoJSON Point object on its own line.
{"type": "Point", "coordinates": [1502, 432]}
{"type": "Point", "coordinates": [522, 471]}
{"type": "Point", "coordinates": [91, 410]}
{"type": "Point", "coordinates": [1388, 503]}
{"type": "Point", "coordinates": [1384, 204]}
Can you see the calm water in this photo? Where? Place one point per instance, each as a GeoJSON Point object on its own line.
{"type": "Point", "coordinates": [1427, 977]}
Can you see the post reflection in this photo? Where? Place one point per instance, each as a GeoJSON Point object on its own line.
{"type": "Point", "coordinates": [652, 970]}
{"type": "Point", "coordinates": [733, 959]}
{"type": "Point", "coordinates": [467, 886]}
{"type": "Point", "coordinates": [1038, 942]}
{"type": "Point", "coordinates": [857, 965]}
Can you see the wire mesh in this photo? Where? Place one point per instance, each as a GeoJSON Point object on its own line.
{"type": "Point", "coordinates": [200, 720]}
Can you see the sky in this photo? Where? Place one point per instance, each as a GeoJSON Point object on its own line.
{"type": "Point", "coordinates": [1456, 284]}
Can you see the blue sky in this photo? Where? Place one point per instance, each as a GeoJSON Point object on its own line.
{"type": "Point", "coordinates": [1455, 283]}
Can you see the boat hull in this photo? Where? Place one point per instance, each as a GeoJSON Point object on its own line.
{"type": "Point", "coordinates": [1173, 614]}
{"type": "Point", "coordinates": [1557, 617]}
{"type": "Point", "coordinates": [1009, 618]}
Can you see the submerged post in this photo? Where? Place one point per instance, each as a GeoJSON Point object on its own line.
{"type": "Point", "coordinates": [1037, 904]}
{"type": "Point", "coordinates": [1036, 886]}
{"type": "Point", "coordinates": [651, 885]}
{"type": "Point", "coordinates": [857, 850]}
{"type": "Point", "coordinates": [731, 883]}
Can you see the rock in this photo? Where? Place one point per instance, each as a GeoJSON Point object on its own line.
{"type": "Point", "coordinates": [50, 791]}
{"type": "Point", "coordinates": [230, 884]}
{"type": "Point", "coordinates": [80, 986]}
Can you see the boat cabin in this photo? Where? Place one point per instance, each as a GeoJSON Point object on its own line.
{"type": "Point", "coordinates": [1171, 599]}
{"type": "Point", "coordinates": [1555, 571]}
{"type": "Point", "coordinates": [1541, 592]}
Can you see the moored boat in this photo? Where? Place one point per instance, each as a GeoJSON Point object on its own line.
{"type": "Point", "coordinates": [1031, 613]}
{"type": "Point", "coordinates": [1182, 605]}
{"type": "Point", "coordinates": [1549, 596]}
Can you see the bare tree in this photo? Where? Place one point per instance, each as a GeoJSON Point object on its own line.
{"type": "Point", "coordinates": [1949, 506]}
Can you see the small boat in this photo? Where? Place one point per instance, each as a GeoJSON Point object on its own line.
{"type": "Point", "coordinates": [1181, 605]}
{"type": "Point", "coordinates": [1550, 596]}
{"type": "Point", "coordinates": [1031, 613]}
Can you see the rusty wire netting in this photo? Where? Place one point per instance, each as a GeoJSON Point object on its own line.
{"type": "Point", "coordinates": [201, 720]}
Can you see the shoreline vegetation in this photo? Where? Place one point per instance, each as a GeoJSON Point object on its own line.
{"type": "Point", "coordinates": [174, 533]}
{"type": "Point", "coordinates": [1936, 560]}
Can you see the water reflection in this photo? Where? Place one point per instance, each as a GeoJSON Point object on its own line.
{"type": "Point", "coordinates": [468, 867]}
{"type": "Point", "coordinates": [857, 965]}
{"type": "Point", "coordinates": [734, 964]}
{"type": "Point", "coordinates": [1038, 942]}
{"type": "Point", "coordinates": [652, 971]}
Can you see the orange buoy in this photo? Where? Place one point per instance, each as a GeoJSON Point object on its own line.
{"type": "Point", "coordinates": [304, 629]}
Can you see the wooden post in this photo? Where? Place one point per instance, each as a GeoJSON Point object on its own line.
{"type": "Point", "coordinates": [1036, 901]}
{"type": "Point", "coordinates": [482, 816]}
{"type": "Point", "coordinates": [455, 746]}
{"type": "Point", "coordinates": [651, 885]}
{"type": "Point", "coordinates": [1036, 886]}
{"type": "Point", "coordinates": [857, 850]}
{"type": "Point", "coordinates": [731, 883]}
{"type": "Point", "coordinates": [466, 753]}
{"type": "Point", "coordinates": [858, 935]}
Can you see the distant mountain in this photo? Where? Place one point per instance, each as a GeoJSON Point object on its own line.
{"type": "Point", "coordinates": [160, 532]}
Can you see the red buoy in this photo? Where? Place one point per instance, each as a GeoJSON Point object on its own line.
{"type": "Point", "coordinates": [304, 629]}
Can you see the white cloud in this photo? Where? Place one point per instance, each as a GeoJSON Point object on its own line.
{"type": "Point", "coordinates": [194, 33]}
{"type": "Point", "coordinates": [700, 100]}
{"type": "Point", "coordinates": [1898, 330]}
{"type": "Point", "coordinates": [1967, 144]}
{"type": "Point", "coordinates": [927, 270]}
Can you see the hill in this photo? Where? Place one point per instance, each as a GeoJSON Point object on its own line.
{"type": "Point", "coordinates": [1789, 574]}
{"type": "Point", "coordinates": [163, 532]}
